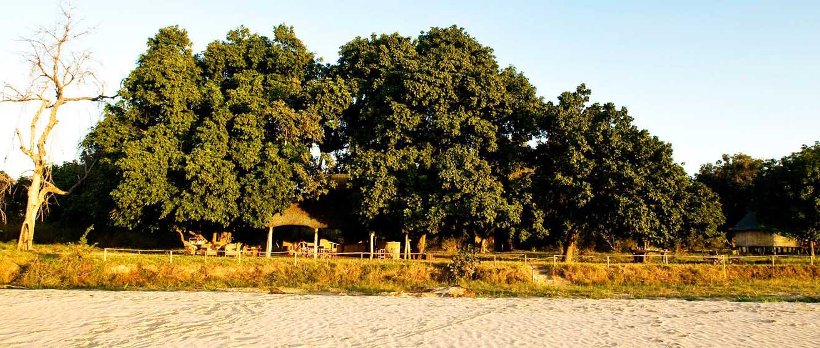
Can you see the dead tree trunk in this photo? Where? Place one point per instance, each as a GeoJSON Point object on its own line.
{"type": "Point", "coordinates": [32, 208]}
{"type": "Point", "coordinates": [55, 72]}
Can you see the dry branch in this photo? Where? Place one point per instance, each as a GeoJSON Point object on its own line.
{"type": "Point", "coordinates": [54, 71]}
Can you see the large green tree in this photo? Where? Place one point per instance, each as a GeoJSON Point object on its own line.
{"type": "Point", "coordinates": [599, 176]}
{"type": "Point", "coordinates": [427, 134]}
{"type": "Point", "coordinates": [788, 194]}
{"type": "Point", "coordinates": [733, 179]}
{"type": "Point", "coordinates": [219, 138]}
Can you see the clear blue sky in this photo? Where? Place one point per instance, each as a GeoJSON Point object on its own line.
{"type": "Point", "coordinates": [709, 77]}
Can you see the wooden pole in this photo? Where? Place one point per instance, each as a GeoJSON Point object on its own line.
{"type": "Point", "coordinates": [372, 241]}
{"type": "Point", "coordinates": [406, 246]}
{"type": "Point", "coordinates": [269, 246]}
{"type": "Point", "coordinates": [171, 256]}
{"type": "Point", "coordinates": [724, 265]}
{"type": "Point", "coordinates": [315, 243]}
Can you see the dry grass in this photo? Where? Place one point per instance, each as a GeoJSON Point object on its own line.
{"type": "Point", "coordinates": [73, 266]}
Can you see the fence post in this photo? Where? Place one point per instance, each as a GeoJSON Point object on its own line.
{"type": "Point", "coordinates": [607, 261]}
{"type": "Point", "coordinates": [772, 260]}
{"type": "Point", "coordinates": [724, 265]}
{"type": "Point", "coordinates": [239, 256]}
{"type": "Point", "coordinates": [170, 256]}
{"type": "Point", "coordinates": [525, 258]}
{"type": "Point", "coordinates": [294, 258]}
{"type": "Point", "coordinates": [105, 254]}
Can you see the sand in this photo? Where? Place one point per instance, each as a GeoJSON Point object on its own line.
{"type": "Point", "coordinates": [62, 318]}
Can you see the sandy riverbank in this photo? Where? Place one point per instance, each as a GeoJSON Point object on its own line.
{"type": "Point", "coordinates": [99, 318]}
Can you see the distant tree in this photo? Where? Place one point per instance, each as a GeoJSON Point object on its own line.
{"type": "Point", "coordinates": [702, 215]}
{"type": "Point", "coordinates": [531, 228]}
{"type": "Point", "coordinates": [424, 135]}
{"type": "Point", "coordinates": [598, 174]}
{"type": "Point", "coordinates": [57, 75]}
{"type": "Point", "coordinates": [89, 204]}
{"type": "Point", "coordinates": [221, 138]}
{"type": "Point", "coordinates": [6, 185]}
{"type": "Point", "coordinates": [789, 194]}
{"type": "Point", "coordinates": [732, 178]}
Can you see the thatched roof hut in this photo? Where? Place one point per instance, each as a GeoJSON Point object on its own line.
{"type": "Point", "coordinates": [750, 236]}
{"type": "Point", "coordinates": [332, 210]}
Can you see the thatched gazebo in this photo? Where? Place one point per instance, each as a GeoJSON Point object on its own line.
{"type": "Point", "coordinates": [331, 210]}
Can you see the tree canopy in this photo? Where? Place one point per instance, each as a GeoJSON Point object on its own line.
{"type": "Point", "coordinates": [222, 137]}
{"type": "Point", "coordinates": [599, 176]}
{"type": "Point", "coordinates": [425, 132]}
{"type": "Point", "coordinates": [437, 138]}
{"type": "Point", "coordinates": [789, 194]}
{"type": "Point", "coordinates": [732, 178]}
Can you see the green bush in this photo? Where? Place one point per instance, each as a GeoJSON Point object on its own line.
{"type": "Point", "coordinates": [463, 266]}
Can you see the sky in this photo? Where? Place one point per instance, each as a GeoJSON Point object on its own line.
{"type": "Point", "coordinates": [709, 77]}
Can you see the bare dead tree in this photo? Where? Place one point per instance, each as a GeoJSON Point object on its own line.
{"type": "Point", "coordinates": [56, 72]}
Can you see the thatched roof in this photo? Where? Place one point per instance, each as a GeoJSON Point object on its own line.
{"type": "Point", "coordinates": [295, 215]}
{"type": "Point", "coordinates": [332, 210]}
{"type": "Point", "coordinates": [749, 223]}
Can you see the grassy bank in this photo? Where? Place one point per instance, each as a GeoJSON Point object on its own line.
{"type": "Point", "coordinates": [62, 266]}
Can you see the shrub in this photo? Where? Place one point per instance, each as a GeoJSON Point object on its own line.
{"type": "Point", "coordinates": [464, 265]}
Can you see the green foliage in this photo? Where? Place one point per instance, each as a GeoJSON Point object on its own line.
{"type": "Point", "coordinates": [703, 215]}
{"type": "Point", "coordinates": [732, 178]}
{"type": "Point", "coordinates": [6, 185]}
{"type": "Point", "coordinates": [436, 137]}
{"type": "Point", "coordinates": [424, 133]}
{"type": "Point", "coordinates": [464, 265]}
{"type": "Point", "coordinates": [598, 174]}
{"type": "Point", "coordinates": [218, 138]}
{"type": "Point", "coordinates": [789, 194]}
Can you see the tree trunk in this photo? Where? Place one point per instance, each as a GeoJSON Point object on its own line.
{"type": "Point", "coordinates": [269, 242]}
{"type": "Point", "coordinates": [571, 246]}
{"type": "Point", "coordinates": [33, 204]}
{"type": "Point", "coordinates": [315, 243]}
{"type": "Point", "coordinates": [372, 243]}
{"type": "Point", "coordinates": [644, 259]}
{"type": "Point", "coordinates": [421, 245]}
